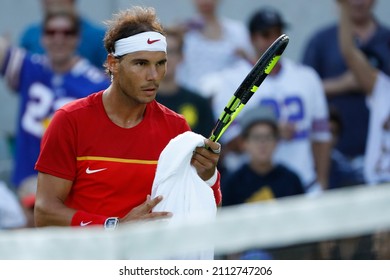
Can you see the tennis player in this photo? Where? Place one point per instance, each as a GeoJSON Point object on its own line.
{"type": "Point", "coordinates": [99, 155]}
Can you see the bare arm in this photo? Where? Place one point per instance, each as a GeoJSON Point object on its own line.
{"type": "Point", "coordinates": [3, 49]}
{"type": "Point", "coordinates": [205, 161]}
{"type": "Point", "coordinates": [357, 62]}
{"type": "Point", "coordinates": [340, 84]}
{"type": "Point", "coordinates": [321, 152]}
{"type": "Point", "coordinates": [50, 209]}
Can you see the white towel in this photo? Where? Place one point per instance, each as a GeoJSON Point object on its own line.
{"type": "Point", "coordinates": [184, 193]}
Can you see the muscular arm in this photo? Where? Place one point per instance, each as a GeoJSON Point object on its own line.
{"type": "Point", "coordinates": [50, 209]}
{"type": "Point", "coordinates": [364, 73]}
{"type": "Point", "coordinates": [340, 84]}
{"type": "Point", "coordinates": [205, 162]}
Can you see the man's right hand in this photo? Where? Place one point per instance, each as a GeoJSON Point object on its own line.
{"type": "Point", "coordinates": [144, 211]}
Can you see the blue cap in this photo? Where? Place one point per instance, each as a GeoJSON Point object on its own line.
{"type": "Point", "coordinates": [265, 18]}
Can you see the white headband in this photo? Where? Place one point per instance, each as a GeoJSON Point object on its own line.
{"type": "Point", "coordinates": [145, 41]}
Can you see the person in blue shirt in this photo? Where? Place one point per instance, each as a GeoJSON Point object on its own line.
{"type": "Point", "coordinates": [46, 82]}
{"type": "Point", "coordinates": [322, 52]}
{"type": "Point", "coordinates": [341, 173]}
{"type": "Point", "coordinates": [91, 36]}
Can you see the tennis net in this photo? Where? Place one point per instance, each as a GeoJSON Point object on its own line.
{"type": "Point", "coordinates": [349, 223]}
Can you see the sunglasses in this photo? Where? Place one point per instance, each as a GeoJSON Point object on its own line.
{"type": "Point", "coordinates": [64, 32]}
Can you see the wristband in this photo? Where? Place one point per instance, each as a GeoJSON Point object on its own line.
{"type": "Point", "coordinates": [82, 219]}
{"type": "Point", "coordinates": [217, 190]}
{"type": "Point", "coordinates": [213, 179]}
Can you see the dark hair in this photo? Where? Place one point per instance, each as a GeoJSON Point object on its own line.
{"type": "Point", "coordinates": [130, 22]}
{"type": "Point", "coordinates": [270, 123]}
{"type": "Point", "coordinates": [178, 34]}
{"type": "Point", "coordinates": [264, 19]}
{"type": "Point", "coordinates": [63, 11]}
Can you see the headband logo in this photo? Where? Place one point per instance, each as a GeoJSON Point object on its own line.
{"type": "Point", "coordinates": [145, 41]}
{"type": "Point", "coordinates": [152, 41]}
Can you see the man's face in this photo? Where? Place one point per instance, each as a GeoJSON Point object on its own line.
{"type": "Point", "coordinates": [47, 4]}
{"type": "Point", "coordinates": [59, 39]}
{"type": "Point", "coordinates": [138, 75]}
{"type": "Point", "coordinates": [262, 40]}
{"type": "Point", "coordinates": [360, 9]}
{"type": "Point", "coordinates": [260, 143]}
{"type": "Point", "coordinates": [206, 7]}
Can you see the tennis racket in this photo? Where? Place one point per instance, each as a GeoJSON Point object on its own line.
{"type": "Point", "coordinates": [249, 86]}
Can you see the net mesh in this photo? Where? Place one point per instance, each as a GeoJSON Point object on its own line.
{"type": "Point", "coordinates": [350, 223]}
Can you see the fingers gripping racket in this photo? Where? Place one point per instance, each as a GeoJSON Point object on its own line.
{"type": "Point", "coordinates": [249, 86]}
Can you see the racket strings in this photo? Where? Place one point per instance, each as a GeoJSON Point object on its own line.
{"type": "Point", "coordinates": [249, 86]}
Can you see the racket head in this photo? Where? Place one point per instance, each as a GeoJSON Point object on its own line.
{"type": "Point", "coordinates": [262, 68]}
{"type": "Point", "coordinates": [249, 85]}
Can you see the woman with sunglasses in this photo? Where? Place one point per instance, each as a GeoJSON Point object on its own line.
{"type": "Point", "coordinates": [45, 83]}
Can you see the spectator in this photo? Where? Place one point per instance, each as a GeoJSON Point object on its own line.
{"type": "Point", "coordinates": [375, 83]}
{"type": "Point", "coordinates": [323, 54]}
{"type": "Point", "coordinates": [91, 35]}
{"type": "Point", "coordinates": [341, 173]}
{"type": "Point", "coordinates": [295, 93]}
{"type": "Point", "coordinates": [195, 108]}
{"type": "Point", "coordinates": [211, 43]}
{"type": "Point", "coordinates": [26, 193]}
{"type": "Point", "coordinates": [45, 83]}
{"type": "Point", "coordinates": [11, 212]}
{"type": "Point", "coordinates": [260, 179]}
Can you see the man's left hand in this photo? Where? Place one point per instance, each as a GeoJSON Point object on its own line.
{"type": "Point", "coordinates": [205, 160]}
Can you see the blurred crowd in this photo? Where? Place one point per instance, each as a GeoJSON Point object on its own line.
{"type": "Point", "coordinates": [303, 133]}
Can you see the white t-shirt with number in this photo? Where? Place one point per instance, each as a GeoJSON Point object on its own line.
{"type": "Point", "coordinates": [296, 94]}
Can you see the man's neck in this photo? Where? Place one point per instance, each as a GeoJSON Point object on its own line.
{"type": "Point", "coordinates": [212, 28]}
{"type": "Point", "coordinates": [262, 168]}
{"type": "Point", "coordinates": [121, 110]}
{"type": "Point", "coordinates": [60, 67]}
{"type": "Point", "coordinates": [364, 29]}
